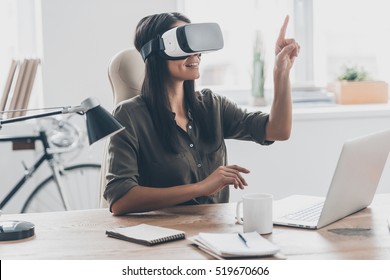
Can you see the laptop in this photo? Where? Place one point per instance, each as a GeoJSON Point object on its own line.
{"type": "Point", "coordinates": [352, 188]}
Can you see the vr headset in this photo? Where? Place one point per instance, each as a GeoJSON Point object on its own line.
{"type": "Point", "coordinates": [183, 41]}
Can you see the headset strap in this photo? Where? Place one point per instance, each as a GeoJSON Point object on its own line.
{"type": "Point", "coordinates": [152, 46]}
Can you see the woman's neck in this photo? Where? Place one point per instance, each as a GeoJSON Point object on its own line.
{"type": "Point", "coordinates": [176, 101]}
{"type": "Point", "coordinates": [176, 98]}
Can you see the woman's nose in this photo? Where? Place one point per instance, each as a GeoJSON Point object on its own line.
{"type": "Point", "coordinates": [197, 54]}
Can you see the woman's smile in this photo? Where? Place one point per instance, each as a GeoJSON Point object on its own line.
{"type": "Point", "coordinates": [192, 65]}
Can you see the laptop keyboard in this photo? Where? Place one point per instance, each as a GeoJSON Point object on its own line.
{"type": "Point", "coordinates": [310, 214]}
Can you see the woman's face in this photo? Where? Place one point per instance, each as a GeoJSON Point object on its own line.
{"type": "Point", "coordinates": [184, 69]}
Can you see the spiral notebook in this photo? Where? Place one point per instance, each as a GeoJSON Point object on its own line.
{"type": "Point", "coordinates": [146, 234]}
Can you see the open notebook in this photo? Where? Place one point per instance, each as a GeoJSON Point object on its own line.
{"type": "Point", "coordinates": [146, 234]}
{"type": "Point", "coordinates": [231, 245]}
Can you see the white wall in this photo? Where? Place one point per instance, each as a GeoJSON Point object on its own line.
{"type": "Point", "coordinates": [305, 163]}
{"type": "Point", "coordinates": [80, 37]}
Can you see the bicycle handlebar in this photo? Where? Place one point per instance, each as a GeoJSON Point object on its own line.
{"type": "Point", "coordinates": [63, 137]}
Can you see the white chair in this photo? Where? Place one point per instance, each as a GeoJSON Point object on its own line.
{"type": "Point", "coordinates": [126, 72]}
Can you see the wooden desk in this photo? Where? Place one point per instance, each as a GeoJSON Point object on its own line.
{"type": "Point", "coordinates": [81, 234]}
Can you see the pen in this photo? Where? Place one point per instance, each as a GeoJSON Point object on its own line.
{"type": "Point", "coordinates": [243, 239]}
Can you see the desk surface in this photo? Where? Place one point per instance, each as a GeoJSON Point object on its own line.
{"type": "Point", "coordinates": [81, 234]}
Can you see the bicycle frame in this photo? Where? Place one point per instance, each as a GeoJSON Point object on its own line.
{"type": "Point", "coordinates": [30, 171]}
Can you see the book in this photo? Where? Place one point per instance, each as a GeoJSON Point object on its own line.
{"type": "Point", "coordinates": [146, 234]}
{"type": "Point", "coordinates": [8, 85]}
{"type": "Point", "coordinates": [25, 98]}
{"type": "Point", "coordinates": [234, 245]}
{"type": "Point", "coordinates": [18, 85]}
{"type": "Point", "coordinates": [23, 87]}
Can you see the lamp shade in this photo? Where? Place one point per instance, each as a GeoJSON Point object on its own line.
{"type": "Point", "coordinates": [100, 124]}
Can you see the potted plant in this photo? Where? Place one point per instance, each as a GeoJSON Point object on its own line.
{"type": "Point", "coordinates": [354, 87]}
{"type": "Point", "coordinates": [258, 76]}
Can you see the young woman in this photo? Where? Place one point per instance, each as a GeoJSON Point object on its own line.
{"type": "Point", "coordinates": [172, 151]}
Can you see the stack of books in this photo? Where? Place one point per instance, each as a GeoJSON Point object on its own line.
{"type": "Point", "coordinates": [18, 86]}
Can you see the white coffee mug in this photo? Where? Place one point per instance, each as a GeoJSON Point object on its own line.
{"type": "Point", "coordinates": [257, 212]}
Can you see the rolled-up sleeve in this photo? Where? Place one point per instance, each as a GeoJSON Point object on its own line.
{"type": "Point", "coordinates": [123, 148]}
{"type": "Point", "coordinates": [241, 125]}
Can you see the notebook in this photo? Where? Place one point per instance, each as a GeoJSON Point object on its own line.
{"type": "Point", "coordinates": [353, 186]}
{"type": "Point", "coordinates": [232, 245]}
{"type": "Point", "coordinates": [146, 234]}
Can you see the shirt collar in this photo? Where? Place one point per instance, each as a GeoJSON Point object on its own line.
{"type": "Point", "coordinates": [173, 115]}
{"type": "Point", "coordinates": [190, 115]}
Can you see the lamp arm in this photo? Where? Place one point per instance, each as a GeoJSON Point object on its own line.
{"type": "Point", "coordinates": [100, 123]}
{"type": "Point", "coordinates": [65, 110]}
{"type": "Point", "coordinates": [37, 116]}
{"type": "Point", "coordinates": [75, 109]}
{"type": "Point", "coordinates": [85, 106]}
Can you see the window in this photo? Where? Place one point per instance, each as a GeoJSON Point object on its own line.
{"type": "Point", "coordinates": [351, 32]}
{"type": "Point", "coordinates": [332, 34]}
{"type": "Point", "coordinates": [230, 70]}
{"type": "Point", "coordinates": [8, 27]}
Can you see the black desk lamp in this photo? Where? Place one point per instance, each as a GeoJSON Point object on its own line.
{"type": "Point", "coordinates": [100, 124]}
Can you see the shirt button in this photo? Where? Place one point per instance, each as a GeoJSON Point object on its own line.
{"type": "Point", "coordinates": [190, 126]}
{"type": "Point", "coordinates": [199, 165]}
{"type": "Point", "coordinates": [191, 145]}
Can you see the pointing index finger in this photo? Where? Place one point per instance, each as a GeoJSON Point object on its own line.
{"type": "Point", "coordinates": [282, 33]}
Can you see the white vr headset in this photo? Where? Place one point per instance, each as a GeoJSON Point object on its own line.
{"type": "Point", "coordinates": [183, 41]}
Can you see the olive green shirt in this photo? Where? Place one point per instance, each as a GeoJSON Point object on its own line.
{"type": "Point", "coordinates": [137, 157]}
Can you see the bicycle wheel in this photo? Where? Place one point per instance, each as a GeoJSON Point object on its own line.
{"type": "Point", "coordinates": [81, 183]}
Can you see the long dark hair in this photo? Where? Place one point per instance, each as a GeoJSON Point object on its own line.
{"type": "Point", "coordinates": [154, 88]}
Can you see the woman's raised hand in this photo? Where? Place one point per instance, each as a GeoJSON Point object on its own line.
{"type": "Point", "coordinates": [286, 50]}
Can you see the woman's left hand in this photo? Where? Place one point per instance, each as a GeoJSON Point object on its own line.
{"type": "Point", "coordinates": [286, 50]}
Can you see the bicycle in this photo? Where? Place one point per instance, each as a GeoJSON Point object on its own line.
{"type": "Point", "coordinates": [73, 187]}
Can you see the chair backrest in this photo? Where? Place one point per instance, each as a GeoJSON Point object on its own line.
{"type": "Point", "coordinates": [126, 72]}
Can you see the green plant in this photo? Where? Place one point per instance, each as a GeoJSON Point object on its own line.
{"type": "Point", "coordinates": [258, 77]}
{"type": "Point", "coordinates": [353, 74]}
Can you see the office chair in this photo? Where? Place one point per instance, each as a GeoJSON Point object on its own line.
{"type": "Point", "coordinates": [126, 72]}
